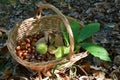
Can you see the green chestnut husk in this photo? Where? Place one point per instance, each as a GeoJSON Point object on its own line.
{"type": "Point", "coordinates": [41, 48]}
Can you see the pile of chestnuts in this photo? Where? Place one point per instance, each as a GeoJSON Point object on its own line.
{"type": "Point", "coordinates": [26, 49]}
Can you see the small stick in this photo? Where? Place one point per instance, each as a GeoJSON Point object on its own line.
{"type": "Point", "coordinates": [83, 70]}
{"type": "Point", "coordinates": [39, 75]}
{"type": "Point", "coordinates": [74, 59]}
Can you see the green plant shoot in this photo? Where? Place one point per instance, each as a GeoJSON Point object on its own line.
{"type": "Point", "coordinates": [61, 52]}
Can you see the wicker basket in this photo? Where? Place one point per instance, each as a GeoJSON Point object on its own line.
{"type": "Point", "coordinates": [33, 25]}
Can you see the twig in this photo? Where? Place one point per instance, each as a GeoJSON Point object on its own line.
{"type": "Point", "coordinates": [74, 58]}
{"type": "Point", "coordinates": [83, 70]}
{"type": "Point", "coordinates": [39, 75]}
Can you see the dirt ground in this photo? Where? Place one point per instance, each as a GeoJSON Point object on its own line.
{"type": "Point", "coordinates": [106, 12]}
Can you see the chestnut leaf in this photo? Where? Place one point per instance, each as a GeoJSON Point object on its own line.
{"type": "Point", "coordinates": [87, 31]}
{"type": "Point", "coordinates": [96, 51]}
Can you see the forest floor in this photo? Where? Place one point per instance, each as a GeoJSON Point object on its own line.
{"type": "Point", "coordinates": [106, 12]}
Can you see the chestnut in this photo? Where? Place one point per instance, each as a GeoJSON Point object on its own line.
{"type": "Point", "coordinates": [23, 47]}
{"type": "Point", "coordinates": [28, 45]}
{"type": "Point", "coordinates": [19, 53]}
{"type": "Point", "coordinates": [28, 51]}
{"type": "Point", "coordinates": [27, 40]}
{"type": "Point", "coordinates": [24, 54]}
{"type": "Point", "coordinates": [23, 43]}
{"type": "Point", "coordinates": [18, 48]}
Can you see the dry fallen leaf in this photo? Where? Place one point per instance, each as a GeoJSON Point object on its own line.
{"type": "Point", "coordinates": [41, 40]}
{"type": "Point", "coordinates": [51, 38]}
{"type": "Point", "coordinates": [84, 78]}
{"type": "Point", "coordinates": [58, 41]}
{"type": "Point", "coordinates": [115, 74]}
{"type": "Point", "coordinates": [62, 77]}
{"type": "Point", "coordinates": [99, 75]}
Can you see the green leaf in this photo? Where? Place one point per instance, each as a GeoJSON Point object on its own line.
{"type": "Point", "coordinates": [88, 30]}
{"type": "Point", "coordinates": [65, 35]}
{"type": "Point", "coordinates": [96, 51]}
{"type": "Point", "coordinates": [61, 52]}
{"type": "Point", "coordinates": [75, 26]}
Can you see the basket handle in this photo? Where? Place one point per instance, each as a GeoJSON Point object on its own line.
{"type": "Point", "coordinates": [65, 21]}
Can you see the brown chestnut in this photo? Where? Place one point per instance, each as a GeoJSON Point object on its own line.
{"type": "Point", "coordinates": [24, 54]}
{"type": "Point", "coordinates": [19, 53]}
{"type": "Point", "coordinates": [29, 49]}
{"type": "Point", "coordinates": [27, 40]}
{"type": "Point", "coordinates": [23, 43]}
{"type": "Point", "coordinates": [28, 45]}
{"type": "Point", "coordinates": [18, 48]}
